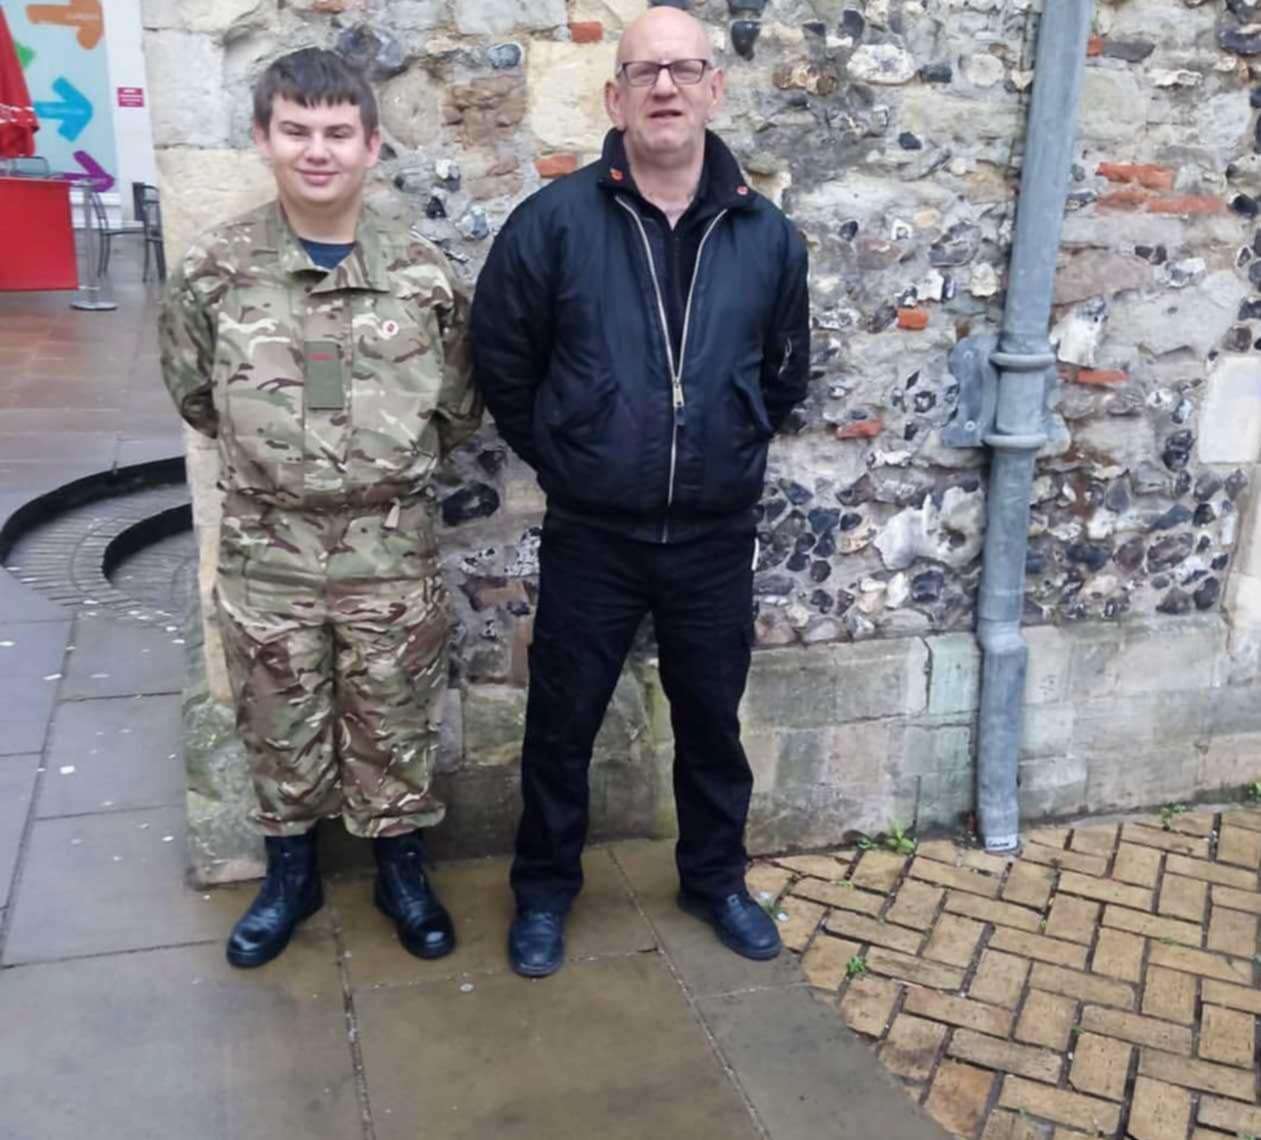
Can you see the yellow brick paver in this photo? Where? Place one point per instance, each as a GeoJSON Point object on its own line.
{"type": "Point", "coordinates": [1104, 973]}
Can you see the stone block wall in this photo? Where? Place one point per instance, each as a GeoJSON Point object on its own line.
{"type": "Point", "coordinates": [891, 131]}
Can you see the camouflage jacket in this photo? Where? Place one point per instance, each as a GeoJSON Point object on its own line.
{"type": "Point", "coordinates": [326, 389]}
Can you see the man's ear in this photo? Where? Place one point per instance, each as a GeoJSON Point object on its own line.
{"type": "Point", "coordinates": [613, 104]}
{"type": "Point", "coordinates": [717, 91]}
{"type": "Point", "coordinates": [261, 141]}
{"type": "Point", "coordinates": [374, 147]}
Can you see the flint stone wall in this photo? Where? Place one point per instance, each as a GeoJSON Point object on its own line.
{"type": "Point", "coordinates": [891, 131]}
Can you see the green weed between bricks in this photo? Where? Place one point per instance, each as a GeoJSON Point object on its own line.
{"type": "Point", "coordinates": [1170, 812]}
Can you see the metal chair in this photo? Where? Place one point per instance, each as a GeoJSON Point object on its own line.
{"type": "Point", "coordinates": [105, 231]}
{"type": "Point", "coordinates": [151, 218]}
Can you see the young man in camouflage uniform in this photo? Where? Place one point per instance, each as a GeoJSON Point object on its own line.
{"type": "Point", "coordinates": [326, 352]}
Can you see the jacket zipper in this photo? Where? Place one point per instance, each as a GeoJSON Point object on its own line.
{"type": "Point", "coordinates": [676, 373]}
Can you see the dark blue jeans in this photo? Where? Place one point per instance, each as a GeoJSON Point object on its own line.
{"type": "Point", "coordinates": [595, 586]}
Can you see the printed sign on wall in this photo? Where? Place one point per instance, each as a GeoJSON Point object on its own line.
{"type": "Point", "coordinates": [61, 46]}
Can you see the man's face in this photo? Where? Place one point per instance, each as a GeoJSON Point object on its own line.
{"type": "Point", "coordinates": [319, 155]}
{"type": "Point", "coordinates": [665, 121]}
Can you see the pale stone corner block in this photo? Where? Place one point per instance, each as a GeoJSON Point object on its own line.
{"type": "Point", "coordinates": [1243, 606]}
{"type": "Point", "coordinates": [499, 17]}
{"type": "Point", "coordinates": [761, 746]}
{"type": "Point", "coordinates": [1136, 722]}
{"type": "Point", "coordinates": [1053, 784]}
{"type": "Point", "coordinates": [493, 724]}
{"type": "Point", "coordinates": [1050, 653]}
{"type": "Point", "coordinates": [1047, 732]}
{"type": "Point", "coordinates": [566, 93]}
{"type": "Point", "coordinates": [1093, 654]}
{"type": "Point", "coordinates": [1248, 548]}
{"type": "Point", "coordinates": [1230, 426]}
{"type": "Point", "coordinates": [451, 740]}
{"type": "Point", "coordinates": [862, 753]}
{"type": "Point", "coordinates": [203, 187]}
{"type": "Point", "coordinates": [1167, 774]}
{"type": "Point", "coordinates": [931, 748]}
{"type": "Point", "coordinates": [216, 17]}
{"type": "Point", "coordinates": [830, 685]}
{"type": "Point", "coordinates": [613, 14]}
{"type": "Point", "coordinates": [1229, 762]}
{"type": "Point", "coordinates": [185, 76]}
{"type": "Point", "coordinates": [1171, 654]}
{"type": "Point", "coordinates": [1113, 106]}
{"type": "Point", "coordinates": [954, 683]}
{"type": "Point", "coordinates": [201, 460]}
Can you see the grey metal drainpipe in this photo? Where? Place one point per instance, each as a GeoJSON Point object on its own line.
{"type": "Point", "coordinates": [1010, 385]}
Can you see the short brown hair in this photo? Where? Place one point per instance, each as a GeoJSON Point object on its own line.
{"type": "Point", "coordinates": [313, 77]}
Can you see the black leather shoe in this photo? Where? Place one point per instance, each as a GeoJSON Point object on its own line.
{"type": "Point", "coordinates": [403, 893]}
{"type": "Point", "coordinates": [291, 891]}
{"type": "Point", "coordinates": [741, 925]}
{"type": "Point", "coordinates": [536, 943]}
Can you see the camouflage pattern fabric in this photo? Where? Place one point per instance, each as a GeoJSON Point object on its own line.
{"type": "Point", "coordinates": [333, 395]}
{"type": "Point", "coordinates": [339, 692]}
{"type": "Point", "coordinates": [250, 326]}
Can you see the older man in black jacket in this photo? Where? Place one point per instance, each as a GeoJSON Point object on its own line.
{"type": "Point", "coordinates": [640, 330]}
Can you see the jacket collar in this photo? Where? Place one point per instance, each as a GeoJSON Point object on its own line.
{"type": "Point", "coordinates": [722, 185]}
{"type": "Point", "coordinates": [362, 268]}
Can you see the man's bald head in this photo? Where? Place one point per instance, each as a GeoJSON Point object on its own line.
{"type": "Point", "coordinates": [668, 33]}
{"type": "Point", "coordinates": [662, 111]}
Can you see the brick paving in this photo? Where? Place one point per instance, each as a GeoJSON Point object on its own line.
{"type": "Point", "coordinates": [1104, 983]}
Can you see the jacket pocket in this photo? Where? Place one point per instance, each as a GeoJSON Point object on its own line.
{"type": "Point", "coordinates": [736, 433]}
{"type": "Point", "coordinates": [749, 392]}
{"type": "Point", "coordinates": [578, 407]}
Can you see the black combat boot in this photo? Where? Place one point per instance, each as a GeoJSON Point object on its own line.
{"type": "Point", "coordinates": [291, 891]}
{"type": "Point", "coordinates": [403, 893]}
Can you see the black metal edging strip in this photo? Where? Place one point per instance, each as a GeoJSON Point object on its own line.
{"type": "Point", "coordinates": [172, 521]}
{"type": "Point", "coordinates": [90, 489]}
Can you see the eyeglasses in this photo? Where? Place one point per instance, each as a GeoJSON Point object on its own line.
{"type": "Point", "coordinates": [643, 73]}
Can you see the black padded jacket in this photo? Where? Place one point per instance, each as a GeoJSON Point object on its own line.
{"type": "Point", "coordinates": [573, 349]}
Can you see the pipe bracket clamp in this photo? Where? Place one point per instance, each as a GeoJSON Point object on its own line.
{"type": "Point", "coordinates": [975, 363]}
{"type": "Point", "coordinates": [1022, 361]}
{"type": "Point", "coordinates": [1032, 442]}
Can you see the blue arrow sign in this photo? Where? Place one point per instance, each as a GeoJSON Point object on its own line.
{"type": "Point", "coordinates": [74, 110]}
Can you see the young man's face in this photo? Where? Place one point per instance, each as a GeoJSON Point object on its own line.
{"type": "Point", "coordinates": [319, 155]}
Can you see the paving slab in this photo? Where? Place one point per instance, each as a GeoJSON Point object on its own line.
{"type": "Point", "coordinates": [32, 479]}
{"type": "Point", "coordinates": [807, 1075]}
{"type": "Point", "coordinates": [604, 921]}
{"type": "Point", "coordinates": [705, 966]}
{"type": "Point", "coordinates": [32, 649]}
{"type": "Point", "coordinates": [113, 658]}
{"type": "Point", "coordinates": [17, 786]}
{"type": "Point", "coordinates": [18, 737]}
{"type": "Point", "coordinates": [607, 1049]}
{"type": "Point", "coordinates": [20, 603]}
{"type": "Point", "coordinates": [101, 883]}
{"type": "Point", "coordinates": [123, 752]}
{"type": "Point", "coordinates": [177, 1043]}
{"type": "Point", "coordinates": [146, 449]}
{"type": "Point", "coordinates": [25, 711]}
{"type": "Point", "coordinates": [86, 447]}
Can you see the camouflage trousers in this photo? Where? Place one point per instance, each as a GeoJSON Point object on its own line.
{"type": "Point", "coordinates": [339, 692]}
